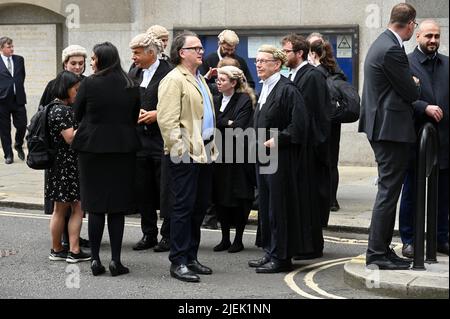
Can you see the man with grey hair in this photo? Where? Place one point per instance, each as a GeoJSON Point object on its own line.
{"type": "Point", "coordinates": [12, 99]}
{"type": "Point", "coordinates": [228, 42]}
{"type": "Point", "coordinates": [148, 73]}
{"type": "Point", "coordinates": [432, 69]}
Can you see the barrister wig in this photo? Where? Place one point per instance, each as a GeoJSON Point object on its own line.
{"type": "Point", "coordinates": [236, 74]}
{"type": "Point", "coordinates": [148, 41]}
{"type": "Point", "coordinates": [277, 54]}
{"type": "Point", "coordinates": [228, 36]}
{"type": "Point", "coordinates": [73, 50]}
{"type": "Point", "coordinates": [159, 31]}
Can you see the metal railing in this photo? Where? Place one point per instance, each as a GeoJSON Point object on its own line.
{"type": "Point", "coordinates": [427, 167]}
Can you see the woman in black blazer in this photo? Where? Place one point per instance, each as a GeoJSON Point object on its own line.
{"type": "Point", "coordinates": [233, 183]}
{"type": "Point", "coordinates": [107, 107]}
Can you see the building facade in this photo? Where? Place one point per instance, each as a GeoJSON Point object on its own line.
{"type": "Point", "coordinates": [42, 28]}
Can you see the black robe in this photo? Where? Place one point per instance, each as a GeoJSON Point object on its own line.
{"type": "Point", "coordinates": [313, 87]}
{"type": "Point", "coordinates": [297, 226]}
{"type": "Point", "coordinates": [233, 182]}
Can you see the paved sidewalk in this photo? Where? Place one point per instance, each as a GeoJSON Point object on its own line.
{"type": "Point", "coordinates": [23, 187]}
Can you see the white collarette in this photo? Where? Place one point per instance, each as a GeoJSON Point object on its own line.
{"type": "Point", "coordinates": [268, 86]}
{"type": "Point", "coordinates": [225, 100]}
{"type": "Point", "coordinates": [149, 73]}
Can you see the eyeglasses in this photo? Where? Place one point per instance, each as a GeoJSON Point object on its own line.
{"type": "Point", "coordinates": [263, 61]}
{"type": "Point", "coordinates": [415, 24]}
{"type": "Point", "coordinates": [197, 49]}
{"type": "Point", "coordinates": [220, 81]}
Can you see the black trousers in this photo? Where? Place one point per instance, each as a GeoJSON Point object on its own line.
{"type": "Point", "coordinates": [335, 139]}
{"type": "Point", "coordinates": [392, 159]}
{"type": "Point", "coordinates": [191, 184]}
{"type": "Point", "coordinates": [9, 108]}
{"type": "Point", "coordinates": [148, 179]}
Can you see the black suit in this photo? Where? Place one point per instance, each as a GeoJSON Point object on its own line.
{"type": "Point", "coordinates": [212, 60]}
{"type": "Point", "coordinates": [148, 164]}
{"type": "Point", "coordinates": [12, 103]}
{"type": "Point", "coordinates": [312, 84]}
{"type": "Point", "coordinates": [433, 73]}
{"type": "Point", "coordinates": [387, 119]}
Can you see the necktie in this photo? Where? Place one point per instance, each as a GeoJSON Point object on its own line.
{"type": "Point", "coordinates": [290, 76]}
{"type": "Point", "coordinates": [8, 65]}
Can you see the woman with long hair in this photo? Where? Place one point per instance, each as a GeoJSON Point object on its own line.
{"type": "Point", "coordinates": [107, 108]}
{"type": "Point", "coordinates": [233, 190]}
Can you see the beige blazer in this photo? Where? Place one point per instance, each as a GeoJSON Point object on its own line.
{"type": "Point", "coordinates": [180, 116]}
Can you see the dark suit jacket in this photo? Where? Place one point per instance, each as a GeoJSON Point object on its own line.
{"type": "Point", "coordinates": [150, 135]}
{"type": "Point", "coordinates": [313, 86]}
{"type": "Point", "coordinates": [212, 60]}
{"type": "Point", "coordinates": [108, 113]}
{"type": "Point", "coordinates": [388, 93]}
{"type": "Point", "coordinates": [7, 81]}
{"type": "Point", "coordinates": [434, 91]}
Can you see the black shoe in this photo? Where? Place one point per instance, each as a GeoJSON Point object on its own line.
{"type": "Point", "coordinates": [97, 268]}
{"type": "Point", "coordinates": [236, 247]}
{"type": "Point", "coordinates": [408, 250]}
{"type": "Point", "coordinates": [210, 225]}
{"type": "Point", "coordinates": [20, 153]}
{"type": "Point", "coordinates": [222, 246]}
{"type": "Point", "coordinates": [393, 256]}
{"type": "Point", "coordinates": [443, 248]}
{"type": "Point", "coordinates": [259, 262]}
{"type": "Point", "coordinates": [58, 256]}
{"type": "Point", "coordinates": [163, 245]}
{"type": "Point", "coordinates": [182, 272]}
{"type": "Point", "coordinates": [84, 243]}
{"type": "Point", "coordinates": [76, 258]}
{"type": "Point", "coordinates": [335, 207]}
{"type": "Point", "coordinates": [117, 269]}
{"type": "Point", "coordinates": [145, 243]}
{"type": "Point", "coordinates": [308, 256]}
{"type": "Point", "coordinates": [198, 268]}
{"type": "Point", "coordinates": [384, 263]}
{"type": "Point", "coordinates": [273, 267]}
{"type": "Point", "coordinates": [9, 160]}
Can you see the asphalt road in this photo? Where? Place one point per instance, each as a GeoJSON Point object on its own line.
{"type": "Point", "coordinates": [26, 271]}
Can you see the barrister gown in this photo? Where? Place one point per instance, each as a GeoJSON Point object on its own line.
{"type": "Point", "coordinates": [313, 87]}
{"type": "Point", "coordinates": [297, 228]}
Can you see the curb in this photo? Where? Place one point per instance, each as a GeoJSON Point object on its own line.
{"type": "Point", "coordinates": [396, 283]}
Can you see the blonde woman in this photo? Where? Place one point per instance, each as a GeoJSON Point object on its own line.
{"type": "Point", "coordinates": [233, 185]}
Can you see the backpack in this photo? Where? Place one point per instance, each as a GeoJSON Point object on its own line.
{"type": "Point", "coordinates": [41, 152]}
{"type": "Point", "coordinates": [345, 100]}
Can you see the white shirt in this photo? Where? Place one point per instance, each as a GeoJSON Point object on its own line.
{"type": "Point", "coordinates": [5, 60]}
{"type": "Point", "coordinates": [294, 71]}
{"type": "Point", "coordinates": [398, 37]}
{"type": "Point", "coordinates": [149, 73]}
{"type": "Point", "coordinates": [225, 101]}
{"type": "Point", "coordinates": [268, 86]}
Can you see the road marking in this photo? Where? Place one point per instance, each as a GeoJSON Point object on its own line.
{"type": "Point", "coordinates": [289, 279]}
{"type": "Point", "coordinates": [309, 280]}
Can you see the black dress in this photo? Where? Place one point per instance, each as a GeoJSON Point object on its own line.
{"type": "Point", "coordinates": [62, 179]}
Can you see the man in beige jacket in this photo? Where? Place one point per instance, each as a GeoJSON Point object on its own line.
{"type": "Point", "coordinates": [187, 122]}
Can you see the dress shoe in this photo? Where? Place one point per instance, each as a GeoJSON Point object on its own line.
{"type": "Point", "coordinates": [198, 268]}
{"type": "Point", "coordinates": [273, 267]}
{"type": "Point", "coordinates": [408, 250]}
{"type": "Point", "coordinates": [182, 272]}
{"type": "Point", "coordinates": [145, 243]}
{"type": "Point", "coordinates": [443, 248]}
{"type": "Point", "coordinates": [335, 207]}
{"type": "Point", "coordinates": [97, 268]}
{"type": "Point", "coordinates": [117, 269]}
{"type": "Point", "coordinates": [163, 245]}
{"type": "Point", "coordinates": [223, 245]}
{"type": "Point", "coordinates": [236, 247]}
{"type": "Point", "coordinates": [259, 262]}
{"type": "Point", "coordinates": [313, 255]}
{"type": "Point", "coordinates": [20, 152]}
{"type": "Point", "coordinates": [384, 263]}
{"type": "Point", "coordinates": [9, 160]}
